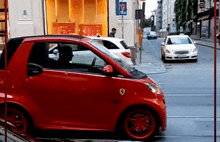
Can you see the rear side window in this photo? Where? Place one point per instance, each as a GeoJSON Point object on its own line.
{"type": "Point", "coordinates": [12, 46]}
{"type": "Point", "coordinates": [109, 45]}
{"type": "Point", "coordinates": [124, 45]}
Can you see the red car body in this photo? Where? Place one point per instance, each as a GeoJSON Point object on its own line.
{"type": "Point", "coordinates": [60, 100]}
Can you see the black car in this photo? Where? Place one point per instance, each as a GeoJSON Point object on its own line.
{"type": "Point", "coordinates": [152, 35]}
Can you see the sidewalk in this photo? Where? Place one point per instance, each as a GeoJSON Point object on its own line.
{"type": "Point", "coordinates": [150, 63]}
{"type": "Point", "coordinates": [205, 41]}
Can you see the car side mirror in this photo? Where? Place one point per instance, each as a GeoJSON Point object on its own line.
{"type": "Point", "coordinates": [162, 44]}
{"type": "Point", "coordinates": [55, 51]}
{"type": "Point", "coordinates": [34, 69]}
{"type": "Point", "coordinates": [108, 69]}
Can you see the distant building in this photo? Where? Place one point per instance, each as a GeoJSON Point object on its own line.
{"type": "Point", "coordinates": [168, 15]}
{"type": "Point", "coordinates": [159, 16]}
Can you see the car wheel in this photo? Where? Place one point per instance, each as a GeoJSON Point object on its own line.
{"type": "Point", "coordinates": [17, 118]}
{"type": "Point", "coordinates": [140, 124]}
{"type": "Point", "coordinates": [163, 57]}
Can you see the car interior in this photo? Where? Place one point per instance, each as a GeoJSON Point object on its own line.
{"type": "Point", "coordinates": [40, 56]}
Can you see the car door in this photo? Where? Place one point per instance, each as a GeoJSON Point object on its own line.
{"type": "Point", "coordinates": [74, 97]}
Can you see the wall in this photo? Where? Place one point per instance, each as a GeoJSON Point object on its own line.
{"type": "Point", "coordinates": [31, 24]}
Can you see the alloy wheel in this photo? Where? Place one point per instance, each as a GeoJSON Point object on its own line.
{"type": "Point", "coordinates": [140, 124]}
{"type": "Point", "coordinates": [16, 118]}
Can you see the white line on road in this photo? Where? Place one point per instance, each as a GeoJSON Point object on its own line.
{"type": "Point", "coordinates": [192, 117]}
{"type": "Point", "coordinates": [189, 95]}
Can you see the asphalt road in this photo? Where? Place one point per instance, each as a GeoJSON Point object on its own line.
{"type": "Point", "coordinates": [188, 88]}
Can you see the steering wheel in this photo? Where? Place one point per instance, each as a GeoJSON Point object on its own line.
{"type": "Point", "coordinates": [93, 63]}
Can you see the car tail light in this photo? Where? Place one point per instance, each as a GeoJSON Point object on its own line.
{"type": "Point", "coordinates": [126, 54]}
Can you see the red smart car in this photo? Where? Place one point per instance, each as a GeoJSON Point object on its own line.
{"type": "Point", "coordinates": [86, 88]}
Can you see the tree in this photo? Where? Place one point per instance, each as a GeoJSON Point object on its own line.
{"type": "Point", "coordinates": [185, 11]}
{"type": "Point", "coordinates": [147, 22]}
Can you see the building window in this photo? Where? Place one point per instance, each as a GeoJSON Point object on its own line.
{"type": "Point", "coordinates": [77, 17]}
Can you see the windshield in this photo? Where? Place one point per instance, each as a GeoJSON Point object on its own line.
{"type": "Point", "coordinates": [134, 72]}
{"type": "Point", "coordinates": [153, 33]}
{"type": "Point", "coordinates": [178, 40]}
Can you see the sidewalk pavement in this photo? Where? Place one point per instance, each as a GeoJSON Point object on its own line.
{"type": "Point", "coordinates": [204, 41]}
{"type": "Point", "coordinates": [150, 63]}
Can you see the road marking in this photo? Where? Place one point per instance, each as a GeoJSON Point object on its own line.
{"type": "Point", "coordinates": [189, 95]}
{"type": "Point", "coordinates": [192, 117]}
{"type": "Point", "coordinates": [207, 136]}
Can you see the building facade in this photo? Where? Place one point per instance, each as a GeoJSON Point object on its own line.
{"type": "Point", "coordinates": [74, 17]}
{"type": "Point", "coordinates": [159, 16]}
{"type": "Point", "coordinates": [205, 19]}
{"type": "Point", "coordinates": [168, 16]}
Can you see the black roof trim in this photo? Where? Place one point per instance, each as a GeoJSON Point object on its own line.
{"type": "Point", "coordinates": [71, 36]}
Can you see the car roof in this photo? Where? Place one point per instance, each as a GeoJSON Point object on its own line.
{"type": "Point", "coordinates": [106, 38]}
{"type": "Point", "coordinates": [178, 36]}
{"type": "Point", "coordinates": [70, 36]}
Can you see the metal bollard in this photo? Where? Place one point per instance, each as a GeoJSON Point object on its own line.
{"type": "Point", "coordinates": [133, 54]}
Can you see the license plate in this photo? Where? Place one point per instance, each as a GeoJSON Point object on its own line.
{"type": "Point", "coordinates": [181, 56]}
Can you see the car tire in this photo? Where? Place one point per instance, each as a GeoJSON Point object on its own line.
{"type": "Point", "coordinates": [139, 124]}
{"type": "Point", "coordinates": [19, 118]}
{"type": "Point", "coordinates": [162, 57]}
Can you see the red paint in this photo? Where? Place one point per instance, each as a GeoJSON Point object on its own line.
{"type": "Point", "coordinates": [75, 101]}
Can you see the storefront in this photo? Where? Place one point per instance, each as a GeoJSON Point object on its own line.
{"type": "Point", "coordinates": [77, 17]}
{"type": "Point", "coordinates": [2, 23]}
{"type": "Point", "coordinates": [74, 17]}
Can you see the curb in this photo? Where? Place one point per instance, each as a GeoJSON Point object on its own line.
{"type": "Point", "coordinates": [207, 46]}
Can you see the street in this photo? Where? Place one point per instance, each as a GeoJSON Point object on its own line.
{"type": "Point", "coordinates": [188, 88]}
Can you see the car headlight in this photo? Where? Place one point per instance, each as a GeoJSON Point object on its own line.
{"type": "Point", "coordinates": [154, 88]}
{"type": "Point", "coordinates": [167, 51]}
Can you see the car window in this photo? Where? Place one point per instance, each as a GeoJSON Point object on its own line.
{"type": "Point", "coordinates": [12, 46]}
{"type": "Point", "coordinates": [124, 44]}
{"type": "Point", "coordinates": [109, 45]}
{"type": "Point", "coordinates": [67, 57]}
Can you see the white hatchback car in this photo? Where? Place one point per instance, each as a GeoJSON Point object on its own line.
{"type": "Point", "coordinates": [179, 47]}
{"type": "Point", "coordinates": [116, 46]}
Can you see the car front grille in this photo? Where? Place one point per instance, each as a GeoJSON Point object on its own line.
{"type": "Point", "coordinates": [181, 52]}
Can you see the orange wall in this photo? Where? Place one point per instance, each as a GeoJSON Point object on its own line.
{"type": "Point", "coordinates": [90, 11]}
{"type": "Point", "coordinates": [2, 4]}
{"type": "Point", "coordinates": [51, 17]}
{"type": "Point", "coordinates": [76, 16]}
{"type": "Point", "coordinates": [102, 15]}
{"type": "Point", "coordinates": [62, 11]}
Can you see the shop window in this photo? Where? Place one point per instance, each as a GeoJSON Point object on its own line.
{"type": "Point", "coordinates": [77, 17]}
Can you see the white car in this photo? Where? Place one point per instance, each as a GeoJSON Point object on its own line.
{"type": "Point", "coordinates": [116, 46]}
{"type": "Point", "coordinates": [179, 47]}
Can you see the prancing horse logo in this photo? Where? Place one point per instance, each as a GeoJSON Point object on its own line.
{"type": "Point", "coordinates": [122, 91]}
